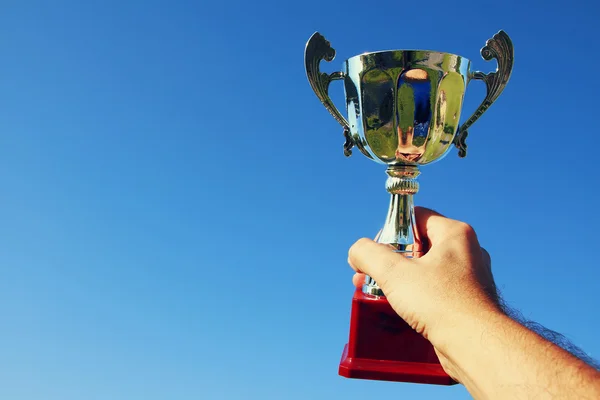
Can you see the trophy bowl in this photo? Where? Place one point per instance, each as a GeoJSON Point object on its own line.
{"type": "Point", "coordinates": [404, 106]}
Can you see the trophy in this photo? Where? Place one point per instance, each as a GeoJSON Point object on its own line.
{"type": "Point", "coordinates": [403, 110]}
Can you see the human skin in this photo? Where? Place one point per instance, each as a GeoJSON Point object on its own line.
{"type": "Point", "coordinates": [449, 296]}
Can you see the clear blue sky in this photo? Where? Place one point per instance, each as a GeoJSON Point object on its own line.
{"type": "Point", "coordinates": [176, 210]}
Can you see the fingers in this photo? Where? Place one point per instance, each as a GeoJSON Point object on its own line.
{"type": "Point", "coordinates": [376, 260]}
{"type": "Point", "coordinates": [435, 228]}
{"type": "Point", "coordinates": [486, 258]}
{"type": "Point", "coordinates": [358, 279]}
{"type": "Point", "coordinates": [488, 282]}
{"type": "Point", "coordinates": [431, 225]}
{"type": "Point", "coordinates": [487, 264]}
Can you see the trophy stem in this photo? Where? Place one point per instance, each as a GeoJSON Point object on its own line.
{"type": "Point", "coordinates": [399, 229]}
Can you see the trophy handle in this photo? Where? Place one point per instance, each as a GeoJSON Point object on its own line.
{"type": "Point", "coordinates": [317, 49]}
{"type": "Point", "coordinates": [501, 48]}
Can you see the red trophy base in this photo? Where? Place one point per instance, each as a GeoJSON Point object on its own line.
{"type": "Point", "coordinates": [382, 346]}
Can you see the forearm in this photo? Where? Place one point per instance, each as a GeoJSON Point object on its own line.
{"type": "Point", "coordinates": [550, 335]}
{"type": "Point", "coordinates": [495, 357]}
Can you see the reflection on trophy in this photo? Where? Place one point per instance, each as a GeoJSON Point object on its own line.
{"type": "Point", "coordinates": [403, 110]}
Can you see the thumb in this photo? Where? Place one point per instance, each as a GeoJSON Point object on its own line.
{"type": "Point", "coordinates": [377, 260]}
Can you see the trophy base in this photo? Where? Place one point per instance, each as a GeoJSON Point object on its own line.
{"type": "Point", "coordinates": [382, 346]}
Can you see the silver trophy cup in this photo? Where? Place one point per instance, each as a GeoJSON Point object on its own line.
{"type": "Point", "coordinates": [404, 108]}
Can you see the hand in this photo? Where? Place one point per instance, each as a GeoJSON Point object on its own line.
{"type": "Point", "coordinates": [449, 296]}
{"type": "Point", "coordinates": [453, 278]}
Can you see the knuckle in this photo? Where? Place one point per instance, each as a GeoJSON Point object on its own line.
{"type": "Point", "coordinates": [486, 256]}
{"type": "Point", "coordinates": [464, 230]}
{"type": "Point", "coordinates": [357, 247]}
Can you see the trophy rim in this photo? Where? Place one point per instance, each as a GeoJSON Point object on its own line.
{"type": "Point", "coordinates": [432, 52]}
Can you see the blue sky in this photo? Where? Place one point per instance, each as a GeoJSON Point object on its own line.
{"type": "Point", "coordinates": [176, 209]}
